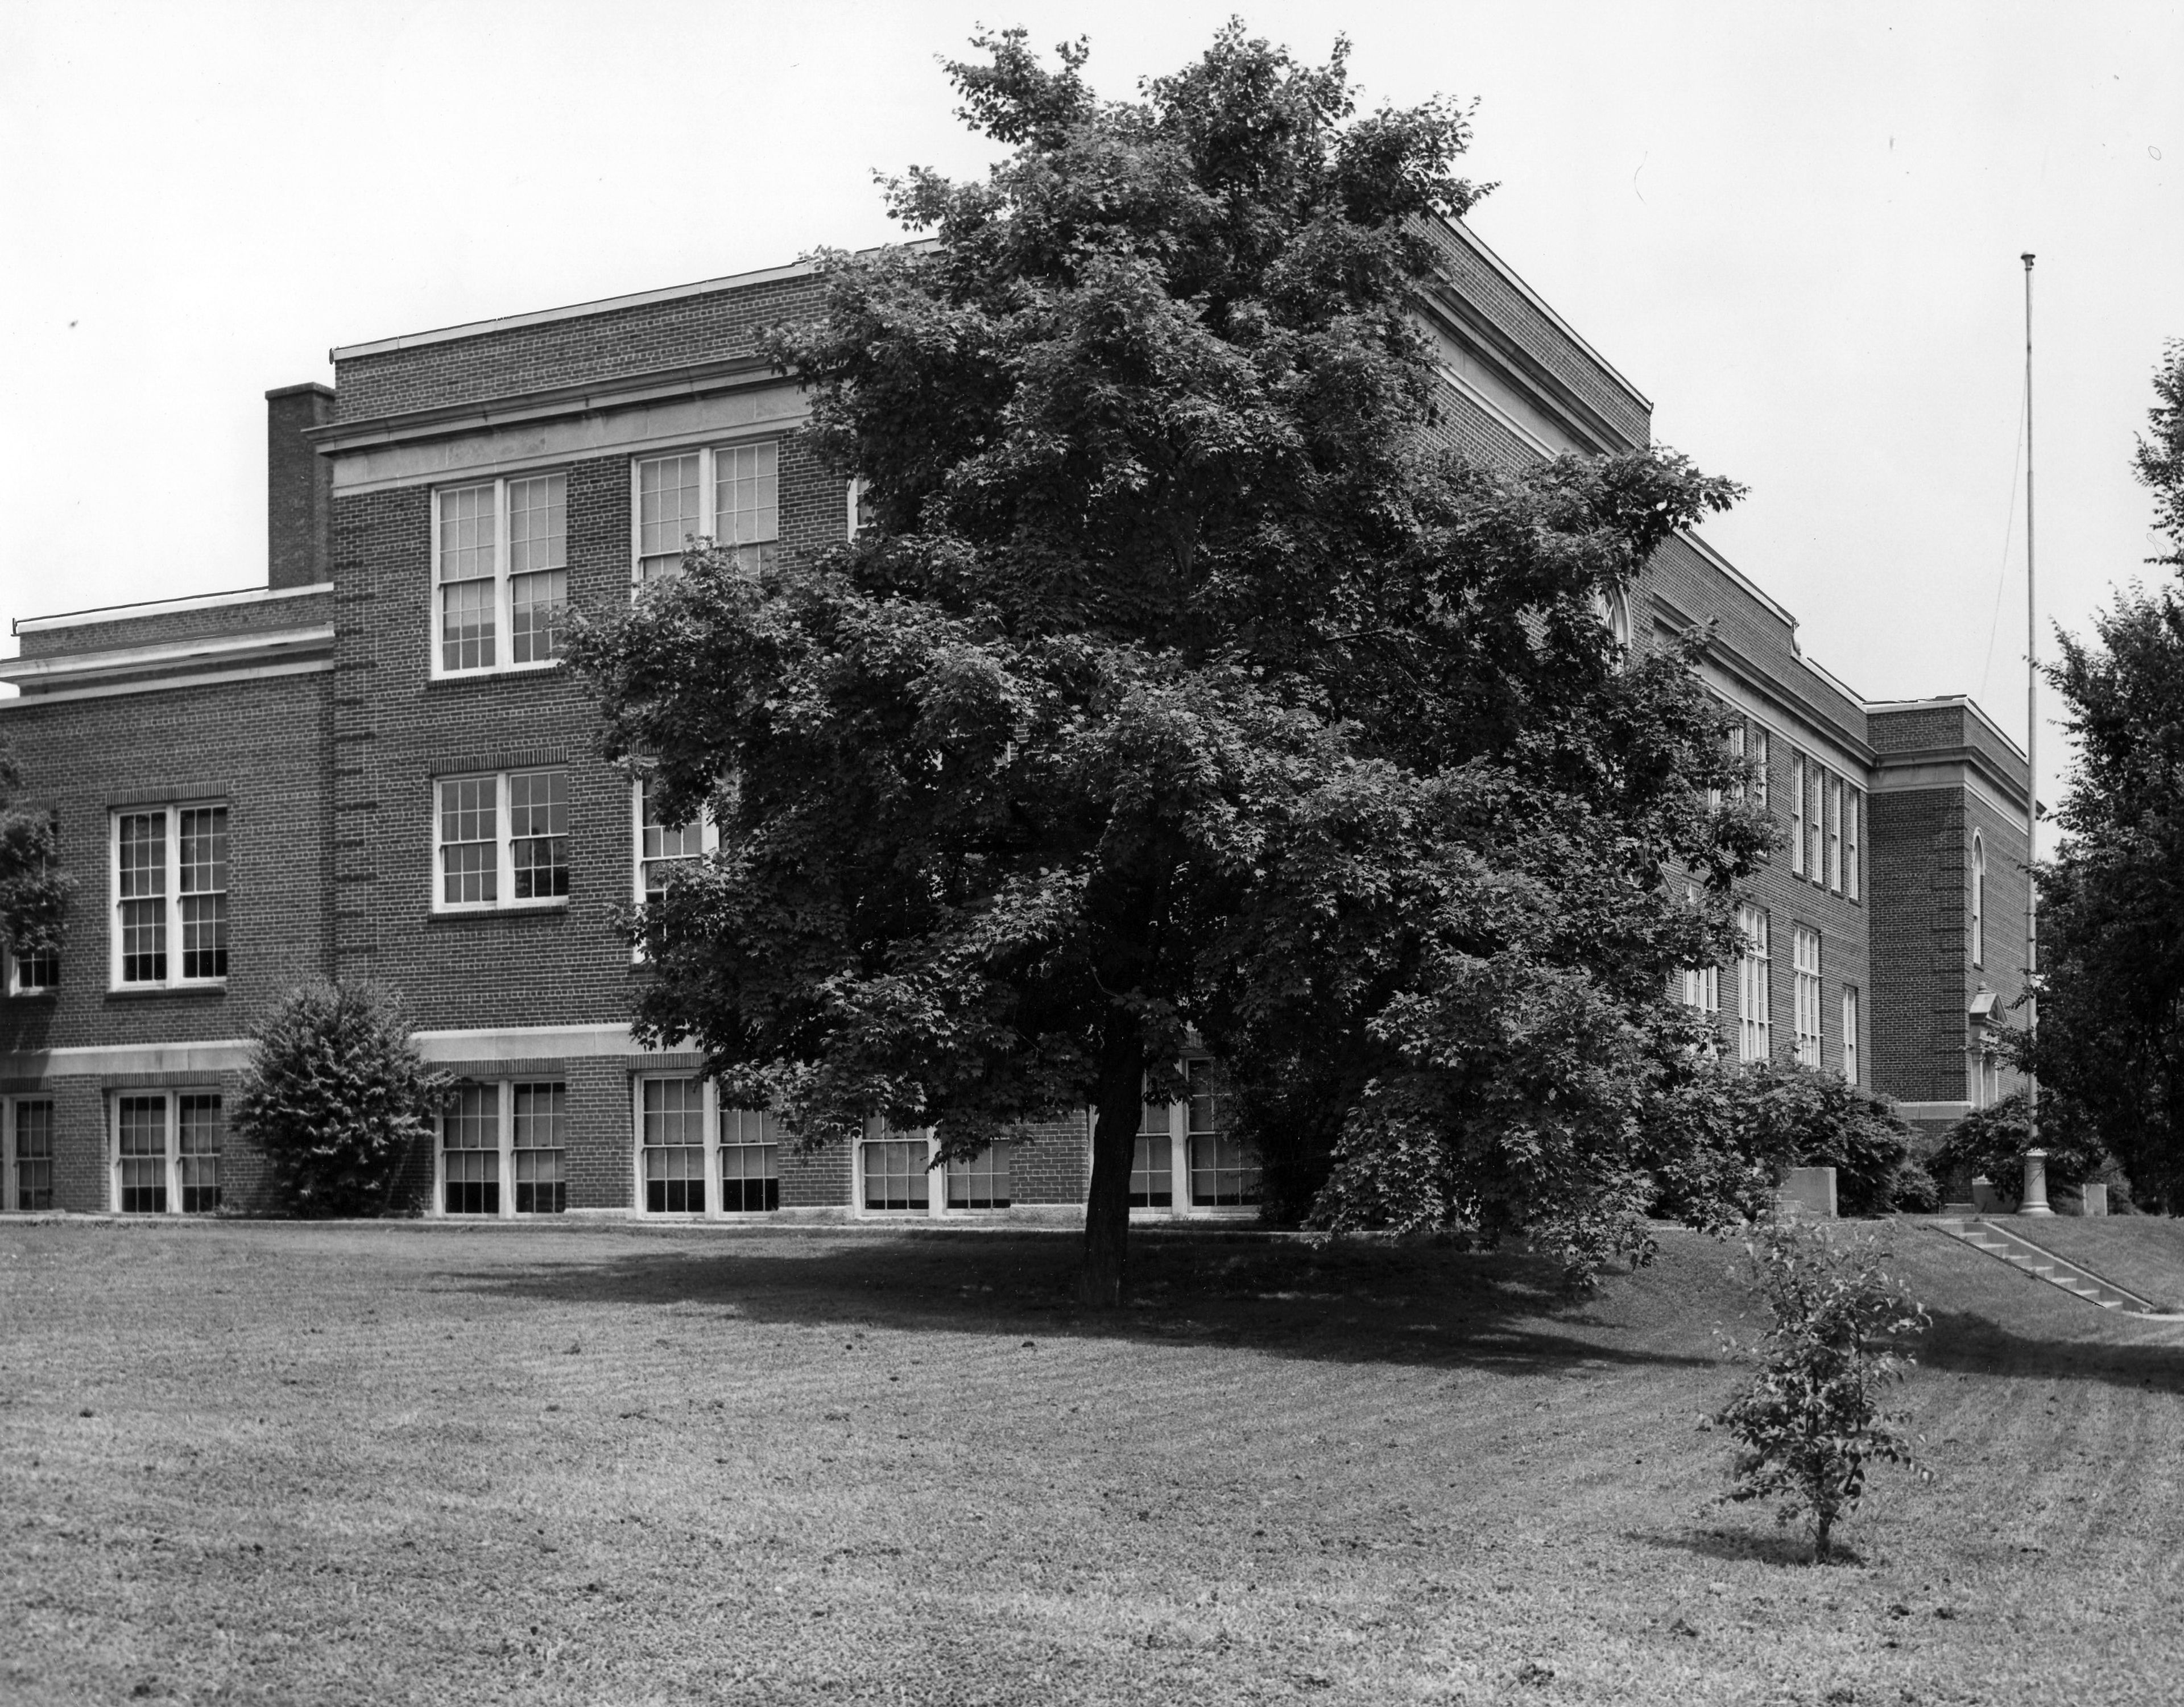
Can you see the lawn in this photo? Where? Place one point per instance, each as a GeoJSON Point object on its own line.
{"type": "Point", "coordinates": [409, 1463]}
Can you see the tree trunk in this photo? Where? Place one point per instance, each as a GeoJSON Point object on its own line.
{"type": "Point", "coordinates": [1114, 1148]}
{"type": "Point", "coordinates": [1823, 1523]}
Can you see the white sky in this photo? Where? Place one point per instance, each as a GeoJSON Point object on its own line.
{"type": "Point", "coordinates": [1795, 228]}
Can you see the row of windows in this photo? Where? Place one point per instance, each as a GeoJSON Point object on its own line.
{"type": "Point", "coordinates": [166, 1159]}
{"type": "Point", "coordinates": [1701, 988]}
{"type": "Point", "coordinates": [1824, 813]}
{"type": "Point", "coordinates": [500, 548]}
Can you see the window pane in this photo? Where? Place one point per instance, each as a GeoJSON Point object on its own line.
{"type": "Point", "coordinates": [466, 626]}
{"type": "Point", "coordinates": [538, 833]}
{"type": "Point", "coordinates": [541, 1117]}
{"type": "Point", "coordinates": [204, 873]}
{"type": "Point", "coordinates": [466, 534]}
{"type": "Point", "coordinates": [143, 874]}
{"type": "Point", "coordinates": [198, 1128]}
{"type": "Point", "coordinates": [469, 875]}
{"type": "Point", "coordinates": [674, 1134]}
{"type": "Point", "coordinates": [982, 1182]}
{"type": "Point", "coordinates": [469, 1139]}
{"type": "Point", "coordinates": [539, 602]}
{"type": "Point", "coordinates": [1224, 1172]}
{"type": "Point", "coordinates": [750, 1161]}
{"type": "Point", "coordinates": [662, 846]}
{"type": "Point", "coordinates": [38, 970]}
{"type": "Point", "coordinates": [141, 1138]}
{"type": "Point", "coordinates": [667, 512]}
{"type": "Point", "coordinates": [537, 524]}
{"type": "Point", "coordinates": [895, 1174]}
{"type": "Point", "coordinates": [34, 1155]}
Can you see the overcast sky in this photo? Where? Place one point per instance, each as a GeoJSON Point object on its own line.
{"type": "Point", "coordinates": [1795, 228]}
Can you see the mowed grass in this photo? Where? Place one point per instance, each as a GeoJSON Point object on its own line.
{"type": "Point", "coordinates": [2144, 1253]}
{"type": "Point", "coordinates": [405, 1464]}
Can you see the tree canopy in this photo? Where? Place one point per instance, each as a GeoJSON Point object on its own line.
{"type": "Point", "coordinates": [34, 889]}
{"type": "Point", "coordinates": [2110, 1047]}
{"type": "Point", "coordinates": [1186, 682]}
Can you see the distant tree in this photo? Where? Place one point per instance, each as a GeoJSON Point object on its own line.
{"type": "Point", "coordinates": [336, 1096]}
{"type": "Point", "coordinates": [2110, 1046]}
{"type": "Point", "coordinates": [1180, 683]}
{"type": "Point", "coordinates": [1809, 1424]}
{"type": "Point", "coordinates": [34, 889]}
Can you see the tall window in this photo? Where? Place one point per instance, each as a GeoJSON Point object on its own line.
{"type": "Point", "coordinates": [1835, 833]}
{"type": "Point", "coordinates": [673, 1137]}
{"type": "Point", "coordinates": [470, 1151]}
{"type": "Point", "coordinates": [1224, 1174]}
{"type": "Point", "coordinates": [1755, 1040]}
{"type": "Point", "coordinates": [1850, 1033]}
{"type": "Point", "coordinates": [500, 555]}
{"type": "Point", "coordinates": [1699, 986]}
{"type": "Point", "coordinates": [537, 1143]}
{"type": "Point", "coordinates": [982, 1182]}
{"type": "Point", "coordinates": [1737, 753]}
{"type": "Point", "coordinates": [661, 847]}
{"type": "Point", "coordinates": [1796, 814]}
{"type": "Point", "coordinates": [171, 896]}
{"type": "Point", "coordinates": [897, 1176]}
{"type": "Point", "coordinates": [1805, 959]}
{"type": "Point", "coordinates": [1852, 799]}
{"type": "Point", "coordinates": [1815, 825]}
{"type": "Point", "coordinates": [501, 840]}
{"type": "Point", "coordinates": [1762, 748]}
{"type": "Point", "coordinates": [1152, 1176]}
{"type": "Point", "coordinates": [29, 1174]}
{"type": "Point", "coordinates": [750, 1161]}
{"type": "Point", "coordinates": [730, 495]}
{"type": "Point", "coordinates": [1979, 899]}
{"type": "Point", "coordinates": [166, 1152]}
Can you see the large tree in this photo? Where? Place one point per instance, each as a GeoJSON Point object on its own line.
{"type": "Point", "coordinates": [1184, 681]}
{"type": "Point", "coordinates": [2111, 1050]}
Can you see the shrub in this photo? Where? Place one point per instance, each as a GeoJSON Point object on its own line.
{"type": "Point", "coordinates": [1993, 1141]}
{"type": "Point", "coordinates": [1914, 1190]}
{"type": "Point", "coordinates": [1772, 1116]}
{"type": "Point", "coordinates": [337, 1096]}
{"type": "Point", "coordinates": [1809, 1424]}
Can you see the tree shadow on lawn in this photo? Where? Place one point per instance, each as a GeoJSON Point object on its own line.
{"type": "Point", "coordinates": [1784, 1546]}
{"type": "Point", "coordinates": [1426, 1306]}
{"type": "Point", "coordinates": [1966, 1344]}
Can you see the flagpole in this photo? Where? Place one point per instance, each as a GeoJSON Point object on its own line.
{"type": "Point", "coordinates": [2031, 747]}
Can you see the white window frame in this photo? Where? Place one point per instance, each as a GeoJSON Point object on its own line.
{"type": "Point", "coordinates": [1816, 823]}
{"type": "Point", "coordinates": [1755, 1029]}
{"type": "Point", "coordinates": [709, 841]}
{"type": "Point", "coordinates": [503, 597]}
{"type": "Point", "coordinates": [709, 1130]}
{"type": "Point", "coordinates": [708, 495]}
{"type": "Point", "coordinates": [1699, 986]}
{"type": "Point", "coordinates": [1850, 1034]}
{"type": "Point", "coordinates": [1761, 747]}
{"type": "Point", "coordinates": [504, 897]}
{"type": "Point", "coordinates": [1834, 799]}
{"type": "Point", "coordinates": [1796, 814]}
{"type": "Point", "coordinates": [854, 520]}
{"type": "Point", "coordinates": [1853, 809]}
{"type": "Point", "coordinates": [33, 992]}
{"type": "Point", "coordinates": [170, 900]}
{"type": "Point", "coordinates": [1979, 900]}
{"type": "Point", "coordinates": [1805, 1005]}
{"type": "Point", "coordinates": [503, 1090]}
{"type": "Point", "coordinates": [11, 1157]}
{"type": "Point", "coordinates": [172, 1173]}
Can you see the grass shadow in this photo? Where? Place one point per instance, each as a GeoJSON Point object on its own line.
{"type": "Point", "coordinates": [1741, 1546]}
{"type": "Point", "coordinates": [1964, 1343]}
{"type": "Point", "coordinates": [1424, 1305]}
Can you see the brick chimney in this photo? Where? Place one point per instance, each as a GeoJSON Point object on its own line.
{"type": "Point", "coordinates": [298, 487]}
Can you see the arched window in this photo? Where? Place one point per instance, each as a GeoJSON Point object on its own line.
{"type": "Point", "coordinates": [1614, 611]}
{"type": "Point", "coordinates": [1979, 899]}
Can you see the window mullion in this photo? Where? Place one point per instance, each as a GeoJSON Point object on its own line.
{"type": "Point", "coordinates": [504, 841]}
{"type": "Point", "coordinates": [174, 868]}
{"type": "Point", "coordinates": [505, 1135]}
{"type": "Point", "coordinates": [709, 1112]}
{"type": "Point", "coordinates": [174, 1152]}
{"type": "Point", "coordinates": [504, 608]}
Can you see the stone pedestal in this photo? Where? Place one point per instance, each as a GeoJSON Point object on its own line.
{"type": "Point", "coordinates": [1813, 1190]}
{"type": "Point", "coordinates": [2094, 1199]}
{"type": "Point", "coordinates": [1985, 1200]}
{"type": "Point", "coordinates": [2035, 1200]}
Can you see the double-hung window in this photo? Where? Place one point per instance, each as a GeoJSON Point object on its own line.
{"type": "Point", "coordinates": [1796, 815]}
{"type": "Point", "coordinates": [166, 1151]}
{"type": "Point", "coordinates": [698, 1156]}
{"type": "Point", "coordinates": [500, 556]}
{"type": "Point", "coordinates": [1225, 1172]}
{"type": "Point", "coordinates": [1699, 986]}
{"type": "Point", "coordinates": [170, 870]}
{"type": "Point", "coordinates": [1816, 826]}
{"type": "Point", "coordinates": [500, 840]}
{"type": "Point", "coordinates": [1850, 1033]}
{"type": "Point", "coordinates": [983, 1181]}
{"type": "Point", "coordinates": [1152, 1164]}
{"type": "Point", "coordinates": [1979, 900]}
{"type": "Point", "coordinates": [1761, 746]}
{"type": "Point", "coordinates": [1835, 833]}
{"type": "Point", "coordinates": [27, 1178]}
{"type": "Point", "coordinates": [730, 495]}
{"type": "Point", "coordinates": [1854, 803]}
{"type": "Point", "coordinates": [1805, 958]}
{"type": "Point", "coordinates": [494, 1136]}
{"type": "Point", "coordinates": [35, 974]}
{"type": "Point", "coordinates": [1754, 1028]}
{"type": "Point", "coordinates": [898, 1171]}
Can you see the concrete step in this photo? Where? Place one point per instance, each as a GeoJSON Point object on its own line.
{"type": "Point", "coordinates": [2040, 1263]}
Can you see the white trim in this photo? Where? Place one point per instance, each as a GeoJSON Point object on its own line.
{"type": "Point", "coordinates": [503, 1090]}
{"type": "Point", "coordinates": [1850, 1006]}
{"type": "Point", "coordinates": [164, 684]}
{"type": "Point", "coordinates": [527, 1042]}
{"type": "Point", "coordinates": [1470, 392]}
{"type": "Point", "coordinates": [160, 607]}
{"type": "Point", "coordinates": [545, 316]}
{"type": "Point", "coordinates": [99, 1061]}
{"type": "Point", "coordinates": [132, 659]}
{"type": "Point", "coordinates": [709, 518]}
{"type": "Point", "coordinates": [708, 1144]}
{"type": "Point", "coordinates": [171, 1096]}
